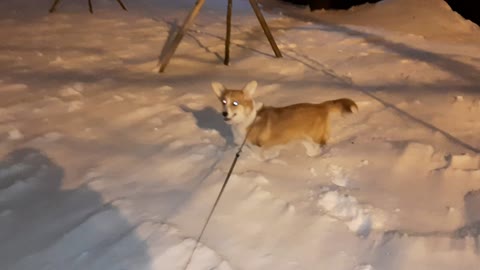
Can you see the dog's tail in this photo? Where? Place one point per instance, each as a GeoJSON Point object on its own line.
{"type": "Point", "coordinates": [342, 105]}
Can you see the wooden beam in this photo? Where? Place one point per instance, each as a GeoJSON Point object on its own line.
{"type": "Point", "coordinates": [265, 28]}
{"type": "Point", "coordinates": [53, 8]}
{"type": "Point", "coordinates": [90, 7]}
{"type": "Point", "coordinates": [122, 5]}
{"type": "Point", "coordinates": [179, 36]}
{"type": "Point", "coordinates": [226, 61]}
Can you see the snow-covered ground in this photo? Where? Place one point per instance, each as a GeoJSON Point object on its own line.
{"type": "Point", "coordinates": [106, 164]}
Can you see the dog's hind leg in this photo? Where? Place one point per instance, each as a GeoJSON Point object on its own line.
{"type": "Point", "coordinates": [322, 134]}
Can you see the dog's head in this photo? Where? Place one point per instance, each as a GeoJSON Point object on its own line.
{"type": "Point", "coordinates": [237, 104]}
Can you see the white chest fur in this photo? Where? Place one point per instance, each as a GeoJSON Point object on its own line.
{"type": "Point", "coordinates": [239, 130]}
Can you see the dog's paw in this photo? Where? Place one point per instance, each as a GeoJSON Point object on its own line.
{"type": "Point", "coordinates": [252, 151]}
{"type": "Point", "coordinates": [260, 154]}
{"type": "Point", "coordinates": [312, 149]}
{"type": "Point", "coordinates": [270, 154]}
{"type": "Point", "coordinates": [237, 140]}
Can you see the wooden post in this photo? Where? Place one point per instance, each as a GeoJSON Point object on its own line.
{"type": "Point", "coordinates": [265, 28]}
{"type": "Point", "coordinates": [171, 46]}
{"type": "Point", "coordinates": [90, 7]}
{"type": "Point", "coordinates": [54, 6]}
{"type": "Point", "coordinates": [176, 41]}
{"type": "Point", "coordinates": [227, 38]}
{"type": "Point", "coordinates": [122, 5]}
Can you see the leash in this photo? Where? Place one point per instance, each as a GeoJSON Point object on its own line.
{"type": "Point", "coordinates": [237, 155]}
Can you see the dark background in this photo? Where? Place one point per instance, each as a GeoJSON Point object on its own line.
{"type": "Point", "coordinates": [466, 8]}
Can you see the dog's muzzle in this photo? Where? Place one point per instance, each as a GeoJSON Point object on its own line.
{"type": "Point", "coordinates": [225, 116]}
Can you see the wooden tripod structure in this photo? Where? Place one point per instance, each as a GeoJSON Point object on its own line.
{"type": "Point", "coordinates": [53, 8]}
{"type": "Point", "coordinates": [173, 45]}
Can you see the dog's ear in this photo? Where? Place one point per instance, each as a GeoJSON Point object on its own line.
{"type": "Point", "coordinates": [249, 88]}
{"type": "Point", "coordinates": [218, 88]}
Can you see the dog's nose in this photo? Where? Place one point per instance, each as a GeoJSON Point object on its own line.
{"type": "Point", "coordinates": [224, 114]}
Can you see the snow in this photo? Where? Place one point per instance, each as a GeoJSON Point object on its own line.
{"type": "Point", "coordinates": [106, 164]}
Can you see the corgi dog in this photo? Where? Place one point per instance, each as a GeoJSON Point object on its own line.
{"type": "Point", "coordinates": [265, 126]}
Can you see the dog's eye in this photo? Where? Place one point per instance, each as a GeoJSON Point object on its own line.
{"type": "Point", "coordinates": [224, 101]}
{"type": "Point", "coordinates": [235, 103]}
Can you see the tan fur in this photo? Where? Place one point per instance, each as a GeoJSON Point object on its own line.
{"type": "Point", "coordinates": [270, 126]}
